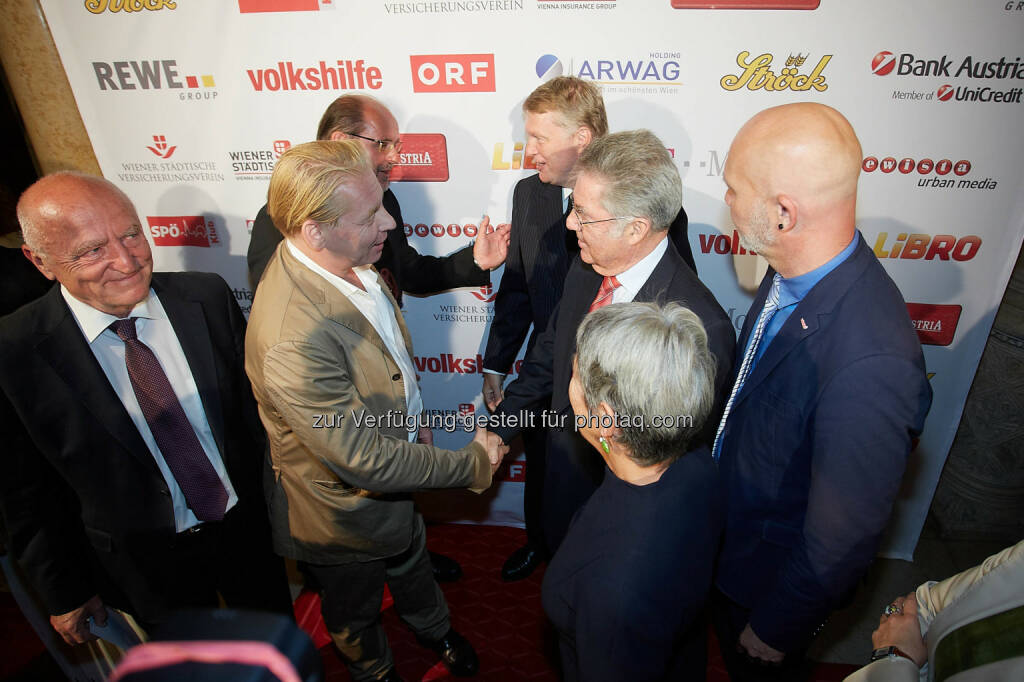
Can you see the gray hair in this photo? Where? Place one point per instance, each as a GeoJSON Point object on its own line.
{"type": "Point", "coordinates": [652, 362]}
{"type": "Point", "coordinates": [34, 225]}
{"type": "Point", "coordinates": [641, 178]}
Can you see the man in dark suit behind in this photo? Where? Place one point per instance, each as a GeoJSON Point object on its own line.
{"type": "Point", "coordinates": [562, 117]}
{"type": "Point", "coordinates": [627, 191]}
{"type": "Point", "coordinates": [830, 393]}
{"type": "Point", "coordinates": [128, 485]}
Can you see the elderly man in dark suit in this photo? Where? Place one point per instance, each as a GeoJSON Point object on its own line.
{"type": "Point", "coordinates": [829, 395]}
{"type": "Point", "coordinates": [134, 456]}
{"type": "Point", "coordinates": [627, 192]}
{"type": "Point", "coordinates": [562, 116]}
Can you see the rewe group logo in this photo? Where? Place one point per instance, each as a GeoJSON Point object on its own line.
{"type": "Point", "coordinates": [424, 158]}
{"type": "Point", "coordinates": [452, 72]}
{"type": "Point", "coordinates": [154, 74]}
{"type": "Point", "coordinates": [160, 147]}
{"type": "Point", "coordinates": [927, 247]}
{"type": "Point", "coordinates": [344, 74]}
{"type": "Point", "coordinates": [935, 324]}
{"type": "Point", "coordinates": [183, 230]}
{"type": "Point", "coordinates": [757, 74]}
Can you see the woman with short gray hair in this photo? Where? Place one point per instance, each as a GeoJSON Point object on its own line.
{"type": "Point", "coordinates": [627, 586]}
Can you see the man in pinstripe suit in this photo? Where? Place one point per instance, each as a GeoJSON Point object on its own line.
{"type": "Point", "coordinates": [563, 116]}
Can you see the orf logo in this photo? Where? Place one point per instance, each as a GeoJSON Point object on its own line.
{"type": "Point", "coordinates": [281, 146]}
{"type": "Point", "coordinates": [548, 67]}
{"type": "Point", "coordinates": [486, 293]}
{"type": "Point", "coordinates": [452, 72]}
{"type": "Point", "coordinates": [184, 230]}
{"type": "Point", "coordinates": [160, 147]}
{"type": "Point", "coordinates": [935, 324]}
{"type": "Point", "coordinates": [883, 63]}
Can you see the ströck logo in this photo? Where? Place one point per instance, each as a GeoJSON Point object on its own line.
{"type": "Point", "coordinates": [757, 74]}
{"type": "Point", "coordinates": [452, 72]}
{"type": "Point", "coordinates": [101, 6]}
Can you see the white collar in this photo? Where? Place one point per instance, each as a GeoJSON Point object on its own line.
{"type": "Point", "coordinates": [363, 272]}
{"type": "Point", "coordinates": [92, 322]}
{"type": "Point", "coordinates": [637, 275]}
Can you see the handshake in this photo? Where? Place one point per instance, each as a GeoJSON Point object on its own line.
{"type": "Point", "coordinates": [496, 448]}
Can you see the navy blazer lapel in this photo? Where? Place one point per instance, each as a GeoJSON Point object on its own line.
{"type": "Point", "coordinates": [189, 323]}
{"type": "Point", "coordinates": [807, 318]}
{"type": "Point", "coordinates": [661, 276]}
{"type": "Point", "coordinates": [64, 346]}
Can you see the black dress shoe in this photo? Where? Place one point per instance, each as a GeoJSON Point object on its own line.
{"type": "Point", "coordinates": [446, 569]}
{"type": "Point", "coordinates": [520, 564]}
{"type": "Point", "coordinates": [456, 653]}
{"type": "Point", "coordinates": [391, 676]}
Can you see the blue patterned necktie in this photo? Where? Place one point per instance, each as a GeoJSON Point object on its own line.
{"type": "Point", "coordinates": [204, 492]}
{"type": "Point", "coordinates": [771, 304]}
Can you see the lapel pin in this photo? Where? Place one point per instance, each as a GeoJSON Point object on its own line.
{"type": "Point", "coordinates": [802, 323]}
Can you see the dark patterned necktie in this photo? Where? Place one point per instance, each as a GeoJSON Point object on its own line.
{"type": "Point", "coordinates": [174, 435]}
{"type": "Point", "coordinates": [605, 293]}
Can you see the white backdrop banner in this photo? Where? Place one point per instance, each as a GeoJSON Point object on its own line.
{"type": "Point", "coordinates": [189, 102]}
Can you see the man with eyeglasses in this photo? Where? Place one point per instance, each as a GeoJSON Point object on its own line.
{"type": "Point", "coordinates": [400, 265]}
{"type": "Point", "coordinates": [364, 118]}
{"type": "Point", "coordinates": [626, 193]}
{"type": "Point", "coordinates": [562, 116]}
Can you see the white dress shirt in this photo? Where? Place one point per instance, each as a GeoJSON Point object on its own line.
{"type": "Point", "coordinates": [154, 329]}
{"type": "Point", "coordinates": [378, 311]}
{"type": "Point", "coordinates": [633, 279]}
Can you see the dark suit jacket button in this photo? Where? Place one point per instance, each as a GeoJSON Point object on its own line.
{"type": "Point", "coordinates": [165, 492]}
{"type": "Point", "coordinates": [397, 376]}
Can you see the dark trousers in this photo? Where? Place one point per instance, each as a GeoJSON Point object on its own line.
{"type": "Point", "coordinates": [231, 558]}
{"type": "Point", "coordinates": [350, 597]}
{"type": "Point", "coordinates": [533, 488]}
{"type": "Point", "coordinates": [730, 619]}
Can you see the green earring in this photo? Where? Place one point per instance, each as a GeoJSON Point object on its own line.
{"type": "Point", "coordinates": [604, 445]}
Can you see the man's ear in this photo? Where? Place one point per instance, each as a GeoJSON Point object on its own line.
{"type": "Point", "coordinates": [787, 212]}
{"type": "Point", "coordinates": [37, 260]}
{"type": "Point", "coordinates": [582, 137]}
{"type": "Point", "coordinates": [313, 235]}
{"type": "Point", "coordinates": [606, 421]}
{"type": "Point", "coordinates": [337, 135]}
{"type": "Point", "coordinates": [637, 229]}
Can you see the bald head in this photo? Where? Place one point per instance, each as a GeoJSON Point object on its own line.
{"type": "Point", "coordinates": [84, 232]}
{"type": "Point", "coordinates": [792, 174]}
{"type": "Point", "coordinates": [363, 118]}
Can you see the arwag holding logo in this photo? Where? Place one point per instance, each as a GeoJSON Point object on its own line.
{"type": "Point", "coordinates": [657, 73]}
{"type": "Point", "coordinates": [182, 230]}
{"type": "Point", "coordinates": [758, 75]}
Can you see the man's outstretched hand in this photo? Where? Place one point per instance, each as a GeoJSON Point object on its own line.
{"type": "Point", "coordinates": [491, 245]}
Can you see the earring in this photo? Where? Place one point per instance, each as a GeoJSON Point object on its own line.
{"type": "Point", "coordinates": [604, 445]}
{"type": "Point", "coordinates": [780, 226]}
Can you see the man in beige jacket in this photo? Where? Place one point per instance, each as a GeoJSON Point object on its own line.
{"type": "Point", "coordinates": [329, 357]}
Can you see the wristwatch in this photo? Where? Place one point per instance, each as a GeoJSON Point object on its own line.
{"type": "Point", "coordinates": [889, 652]}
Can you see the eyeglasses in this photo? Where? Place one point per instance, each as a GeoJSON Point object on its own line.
{"type": "Point", "coordinates": [383, 145]}
{"type": "Point", "coordinates": [582, 222]}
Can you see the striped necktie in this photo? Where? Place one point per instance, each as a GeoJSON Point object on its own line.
{"type": "Point", "coordinates": [771, 304]}
{"type": "Point", "coordinates": [605, 293]}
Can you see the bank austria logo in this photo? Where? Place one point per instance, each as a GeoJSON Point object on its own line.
{"type": "Point", "coordinates": [342, 74]}
{"type": "Point", "coordinates": [910, 65]}
{"type": "Point", "coordinates": [101, 6]}
{"type": "Point", "coordinates": [934, 323]}
{"type": "Point", "coordinates": [160, 148]}
{"type": "Point", "coordinates": [182, 230]}
{"type": "Point", "coordinates": [424, 158]}
{"type": "Point", "coordinates": [257, 164]}
{"type": "Point", "coordinates": [934, 172]}
{"type": "Point", "coordinates": [800, 72]}
{"type": "Point", "coordinates": [153, 74]}
{"type": "Point", "coordinates": [657, 72]}
{"type": "Point", "coordinates": [248, 6]}
{"type": "Point", "coordinates": [452, 72]}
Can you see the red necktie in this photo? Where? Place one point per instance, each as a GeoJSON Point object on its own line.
{"type": "Point", "coordinates": [604, 294]}
{"type": "Point", "coordinates": [174, 435]}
